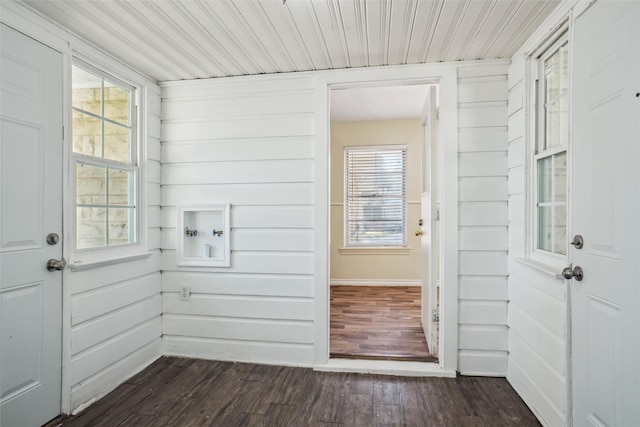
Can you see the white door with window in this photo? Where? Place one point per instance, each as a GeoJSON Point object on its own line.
{"type": "Point", "coordinates": [30, 210]}
{"type": "Point", "coordinates": [605, 304]}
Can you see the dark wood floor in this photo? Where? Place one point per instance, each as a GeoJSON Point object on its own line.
{"type": "Point", "coordinates": [191, 392]}
{"type": "Point", "coordinates": [377, 322]}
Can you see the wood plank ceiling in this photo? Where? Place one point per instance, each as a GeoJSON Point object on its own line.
{"type": "Point", "coordinates": [189, 39]}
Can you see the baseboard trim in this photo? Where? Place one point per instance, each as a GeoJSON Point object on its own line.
{"type": "Point", "coordinates": [388, 367]}
{"type": "Point", "coordinates": [376, 282]}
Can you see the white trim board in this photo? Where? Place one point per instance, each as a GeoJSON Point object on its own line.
{"type": "Point", "coordinates": [386, 367]}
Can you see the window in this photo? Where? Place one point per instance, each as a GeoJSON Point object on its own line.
{"type": "Point", "coordinates": [375, 198]}
{"type": "Point", "coordinates": [550, 159]}
{"type": "Point", "coordinates": [104, 158]}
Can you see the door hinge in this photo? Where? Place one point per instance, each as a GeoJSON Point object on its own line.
{"type": "Point", "coordinates": [437, 214]}
{"type": "Point", "coordinates": [63, 133]}
{"type": "Point", "coordinates": [437, 113]}
{"type": "Point", "coordinates": [435, 315]}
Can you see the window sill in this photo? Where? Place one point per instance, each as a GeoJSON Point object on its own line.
{"type": "Point", "coordinates": [80, 265]}
{"type": "Point", "coordinates": [546, 269]}
{"type": "Point", "coordinates": [375, 251]}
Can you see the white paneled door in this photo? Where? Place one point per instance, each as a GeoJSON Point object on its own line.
{"type": "Point", "coordinates": [606, 212]}
{"type": "Point", "coordinates": [429, 230]}
{"type": "Point", "coordinates": [30, 209]}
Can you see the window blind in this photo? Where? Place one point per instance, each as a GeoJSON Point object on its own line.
{"type": "Point", "coordinates": [375, 198]}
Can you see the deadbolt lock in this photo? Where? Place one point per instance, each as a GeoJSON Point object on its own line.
{"type": "Point", "coordinates": [578, 241]}
{"type": "Point", "coordinates": [53, 239]}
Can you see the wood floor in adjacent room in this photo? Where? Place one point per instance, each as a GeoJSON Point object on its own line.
{"type": "Point", "coordinates": [191, 392]}
{"type": "Point", "coordinates": [377, 322]}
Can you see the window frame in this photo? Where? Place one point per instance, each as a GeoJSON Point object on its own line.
{"type": "Point", "coordinates": [81, 258]}
{"type": "Point", "coordinates": [537, 132]}
{"type": "Point", "coordinates": [374, 148]}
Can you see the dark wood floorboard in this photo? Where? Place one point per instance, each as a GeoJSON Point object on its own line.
{"type": "Point", "coordinates": [377, 322]}
{"type": "Point", "coordinates": [188, 392]}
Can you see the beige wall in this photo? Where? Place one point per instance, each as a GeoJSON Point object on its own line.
{"type": "Point", "coordinates": [399, 266]}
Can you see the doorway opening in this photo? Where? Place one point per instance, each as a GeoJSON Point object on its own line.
{"type": "Point", "coordinates": [384, 291]}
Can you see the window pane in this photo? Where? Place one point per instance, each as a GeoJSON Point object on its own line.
{"type": "Point", "coordinates": [552, 76]}
{"type": "Point", "coordinates": [556, 83]}
{"type": "Point", "coordinates": [101, 117]}
{"type": "Point", "coordinates": [120, 184]}
{"type": "Point", "coordinates": [552, 229]}
{"type": "Point", "coordinates": [552, 136]}
{"type": "Point", "coordinates": [87, 134]}
{"type": "Point", "coordinates": [560, 177]}
{"type": "Point", "coordinates": [563, 120]}
{"type": "Point", "coordinates": [90, 184]}
{"type": "Point", "coordinates": [101, 129]}
{"type": "Point", "coordinates": [374, 185]}
{"type": "Point", "coordinates": [552, 178]}
{"type": "Point", "coordinates": [545, 180]}
{"type": "Point", "coordinates": [119, 223]}
{"type": "Point", "coordinates": [86, 91]}
{"type": "Point", "coordinates": [559, 230]}
{"type": "Point", "coordinates": [376, 233]}
{"type": "Point", "coordinates": [552, 203]}
{"type": "Point", "coordinates": [564, 68]}
{"type": "Point", "coordinates": [116, 103]}
{"type": "Point", "coordinates": [116, 142]}
{"type": "Point", "coordinates": [378, 221]}
{"type": "Point", "coordinates": [544, 228]}
{"type": "Point", "coordinates": [375, 197]}
{"type": "Point", "coordinates": [91, 227]}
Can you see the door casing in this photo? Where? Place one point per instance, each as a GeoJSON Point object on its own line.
{"type": "Point", "coordinates": [446, 78]}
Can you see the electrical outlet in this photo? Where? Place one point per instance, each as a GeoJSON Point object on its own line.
{"type": "Point", "coordinates": [185, 293]}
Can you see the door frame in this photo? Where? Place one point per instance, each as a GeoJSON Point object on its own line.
{"type": "Point", "coordinates": [444, 75]}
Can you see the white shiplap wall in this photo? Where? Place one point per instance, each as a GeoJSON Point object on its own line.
{"type": "Point", "coordinates": [116, 310]}
{"type": "Point", "coordinates": [537, 306]}
{"type": "Point", "coordinates": [483, 242]}
{"type": "Point", "coordinates": [250, 144]}
{"type": "Point", "coordinates": [538, 310]}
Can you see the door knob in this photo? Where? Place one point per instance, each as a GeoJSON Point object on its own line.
{"type": "Point", "coordinates": [573, 273]}
{"type": "Point", "coordinates": [419, 233]}
{"type": "Point", "coordinates": [54, 264]}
